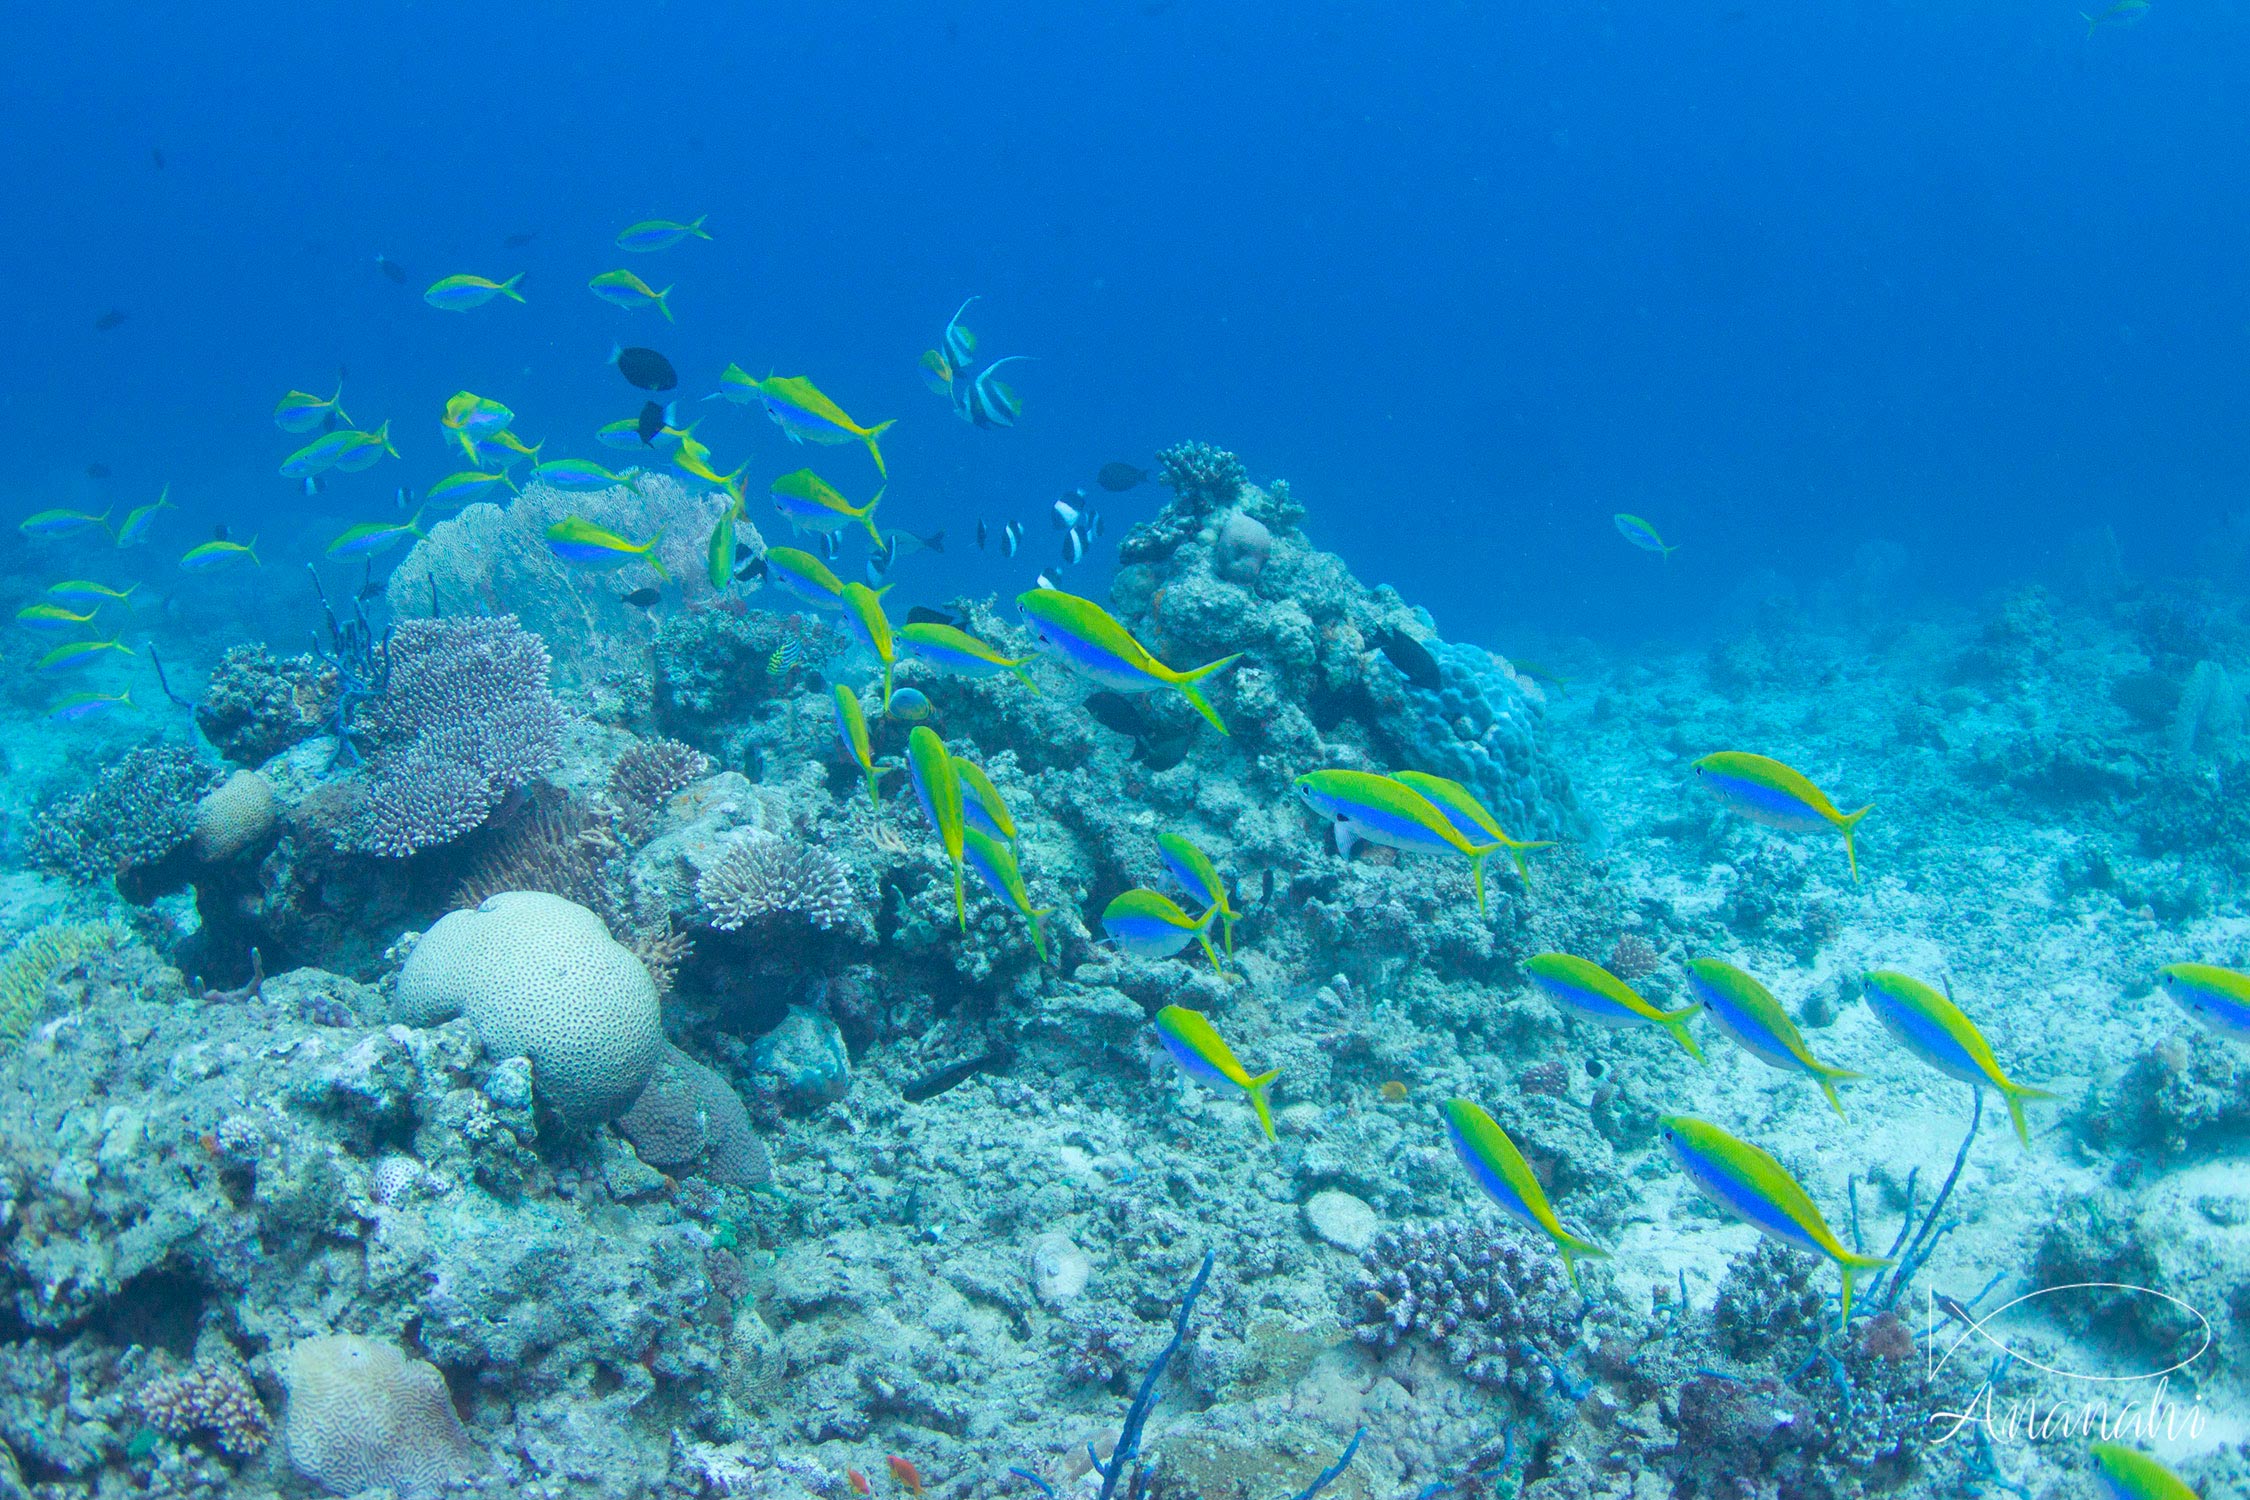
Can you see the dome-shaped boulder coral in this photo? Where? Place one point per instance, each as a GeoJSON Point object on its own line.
{"type": "Point", "coordinates": [541, 977]}
{"type": "Point", "coordinates": [233, 818]}
{"type": "Point", "coordinates": [362, 1416]}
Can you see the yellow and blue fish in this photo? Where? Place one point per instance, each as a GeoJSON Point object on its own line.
{"type": "Point", "coordinates": [1590, 990]}
{"type": "Point", "coordinates": [863, 614]}
{"type": "Point", "coordinates": [982, 803]}
{"type": "Point", "coordinates": [659, 234]}
{"type": "Point", "coordinates": [333, 449]}
{"type": "Point", "coordinates": [302, 411]}
{"type": "Point", "coordinates": [1363, 807]}
{"type": "Point", "coordinates": [803, 410]}
{"type": "Point", "coordinates": [1764, 790]}
{"type": "Point", "coordinates": [718, 552]}
{"type": "Point", "coordinates": [1507, 1179]}
{"type": "Point", "coordinates": [1468, 815]}
{"type": "Point", "coordinates": [1193, 869]}
{"type": "Point", "coordinates": [466, 411]}
{"type": "Point", "coordinates": [578, 476]}
{"type": "Point", "coordinates": [1747, 1184]}
{"type": "Point", "coordinates": [624, 289]}
{"type": "Point", "coordinates": [1150, 925]}
{"type": "Point", "coordinates": [1929, 1025]}
{"type": "Point", "coordinates": [785, 657]}
{"type": "Point", "coordinates": [76, 654]}
{"type": "Point", "coordinates": [803, 577]}
{"type": "Point", "coordinates": [466, 487]}
{"type": "Point", "coordinates": [375, 537]}
{"type": "Point", "coordinates": [581, 543]}
{"type": "Point", "coordinates": [938, 786]}
{"type": "Point", "coordinates": [220, 553]}
{"type": "Point", "coordinates": [995, 864]}
{"type": "Point", "coordinates": [692, 457]}
{"type": "Point", "coordinates": [88, 705]}
{"type": "Point", "coordinates": [1195, 1044]}
{"type": "Point", "coordinates": [2131, 1475]}
{"type": "Point", "coordinates": [811, 503]}
{"type": "Point", "coordinates": [1747, 1011]}
{"type": "Point", "coordinates": [1641, 534]}
{"type": "Point", "coordinates": [134, 529]}
{"type": "Point", "coordinates": [2219, 998]}
{"type": "Point", "coordinates": [52, 618]}
{"type": "Point", "coordinates": [83, 591]}
{"type": "Point", "coordinates": [501, 450]}
{"type": "Point", "coordinates": [460, 293]}
{"type": "Point", "coordinates": [936, 373]}
{"type": "Point", "coordinates": [851, 728]}
{"type": "Point", "coordinates": [958, 652]}
{"type": "Point", "coordinates": [54, 523]}
{"type": "Point", "coordinates": [1088, 639]}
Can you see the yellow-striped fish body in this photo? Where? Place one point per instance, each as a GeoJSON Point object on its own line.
{"type": "Point", "coordinates": [1591, 991]}
{"type": "Point", "coordinates": [1499, 1168]}
{"type": "Point", "coordinates": [1195, 1044]}
{"type": "Point", "coordinates": [1747, 1011]}
{"type": "Point", "coordinates": [1932, 1027]}
{"type": "Point", "coordinates": [938, 785]}
{"type": "Point", "coordinates": [2219, 998]}
{"type": "Point", "coordinates": [1764, 790]}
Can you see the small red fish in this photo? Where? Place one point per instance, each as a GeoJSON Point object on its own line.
{"type": "Point", "coordinates": [906, 1474]}
{"type": "Point", "coordinates": [860, 1486]}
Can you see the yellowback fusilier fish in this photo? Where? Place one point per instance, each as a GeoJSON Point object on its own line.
{"type": "Point", "coordinates": [863, 613]}
{"type": "Point", "coordinates": [460, 293]}
{"type": "Point", "coordinates": [77, 654]}
{"type": "Point", "coordinates": [1193, 869]}
{"type": "Point", "coordinates": [332, 449]}
{"type": "Point", "coordinates": [82, 591]}
{"type": "Point", "coordinates": [982, 803]}
{"type": "Point", "coordinates": [718, 553]}
{"type": "Point", "coordinates": [1364, 807]}
{"type": "Point", "coordinates": [804, 577]}
{"type": "Point", "coordinates": [578, 476]}
{"type": "Point", "coordinates": [54, 523]}
{"type": "Point", "coordinates": [995, 864]}
{"type": "Point", "coordinates": [624, 289]}
{"type": "Point", "coordinates": [1150, 925]}
{"type": "Point", "coordinates": [581, 543]}
{"type": "Point", "coordinates": [466, 411]}
{"type": "Point", "coordinates": [1747, 1011]}
{"type": "Point", "coordinates": [1507, 1179]}
{"type": "Point", "coordinates": [87, 705]}
{"type": "Point", "coordinates": [692, 457]}
{"type": "Point", "coordinates": [134, 529]}
{"type": "Point", "coordinates": [2127, 1474]}
{"type": "Point", "coordinates": [939, 787]}
{"type": "Point", "coordinates": [1747, 1184]}
{"type": "Point", "coordinates": [1086, 638]}
{"type": "Point", "coordinates": [811, 503]}
{"type": "Point", "coordinates": [375, 537]}
{"type": "Point", "coordinates": [2219, 998]}
{"type": "Point", "coordinates": [1467, 814]}
{"type": "Point", "coordinates": [659, 234]}
{"type": "Point", "coordinates": [851, 728]}
{"type": "Point", "coordinates": [2123, 13]}
{"type": "Point", "coordinates": [1929, 1025]}
{"type": "Point", "coordinates": [51, 617]}
{"type": "Point", "coordinates": [1195, 1044]}
{"type": "Point", "coordinates": [465, 487]}
{"type": "Point", "coordinates": [220, 553]}
{"type": "Point", "coordinates": [302, 411]}
{"type": "Point", "coordinates": [958, 652]}
{"type": "Point", "coordinates": [1601, 997]}
{"type": "Point", "coordinates": [1766, 791]}
{"type": "Point", "coordinates": [801, 409]}
{"type": "Point", "coordinates": [1641, 534]}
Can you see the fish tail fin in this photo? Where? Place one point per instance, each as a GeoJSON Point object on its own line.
{"type": "Point", "coordinates": [508, 289]}
{"type": "Point", "coordinates": [1039, 930]}
{"type": "Point", "coordinates": [867, 516]}
{"type": "Point", "coordinates": [960, 902]}
{"type": "Point", "coordinates": [383, 436]}
{"type": "Point", "coordinates": [1675, 1021]}
{"type": "Point", "coordinates": [414, 522]}
{"type": "Point", "coordinates": [665, 307]}
{"type": "Point", "coordinates": [869, 437]}
{"type": "Point", "coordinates": [1847, 823]}
{"type": "Point", "coordinates": [653, 560]}
{"type": "Point", "coordinates": [128, 593]}
{"type": "Point", "coordinates": [1257, 1090]}
{"type": "Point", "coordinates": [696, 228]}
{"type": "Point", "coordinates": [1518, 848]}
{"type": "Point", "coordinates": [1185, 682]}
{"type": "Point", "coordinates": [1023, 676]}
{"type": "Point", "coordinates": [1847, 1263]}
{"type": "Point", "coordinates": [1570, 1247]}
{"type": "Point", "coordinates": [1828, 1078]}
{"type": "Point", "coordinates": [1476, 870]}
{"type": "Point", "coordinates": [251, 547]}
{"type": "Point", "coordinates": [886, 689]}
{"type": "Point", "coordinates": [2091, 23]}
{"type": "Point", "coordinates": [2016, 1094]}
{"type": "Point", "coordinates": [125, 699]}
{"type": "Point", "coordinates": [164, 499]}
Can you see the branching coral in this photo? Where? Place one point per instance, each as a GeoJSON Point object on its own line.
{"type": "Point", "coordinates": [1201, 472]}
{"type": "Point", "coordinates": [466, 719]}
{"type": "Point", "coordinates": [646, 776]}
{"type": "Point", "coordinates": [1766, 1299]}
{"type": "Point", "coordinates": [762, 876]}
{"type": "Point", "coordinates": [209, 1397]}
{"type": "Point", "coordinates": [1485, 1295]}
{"type": "Point", "coordinates": [137, 812]}
{"type": "Point", "coordinates": [33, 964]}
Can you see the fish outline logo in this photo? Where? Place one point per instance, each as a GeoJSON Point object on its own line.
{"type": "Point", "coordinates": [1943, 1312]}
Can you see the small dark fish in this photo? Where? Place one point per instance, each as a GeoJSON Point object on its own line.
{"type": "Point", "coordinates": [1011, 537]}
{"type": "Point", "coordinates": [929, 614]}
{"type": "Point", "coordinates": [952, 1076]}
{"type": "Point", "coordinates": [645, 368]}
{"type": "Point", "coordinates": [1163, 751]}
{"type": "Point", "coordinates": [114, 318]}
{"type": "Point", "coordinates": [219, 532]}
{"type": "Point", "coordinates": [831, 545]}
{"type": "Point", "coordinates": [653, 418]}
{"type": "Point", "coordinates": [756, 569]}
{"type": "Point", "coordinates": [391, 268]}
{"type": "Point", "coordinates": [1065, 514]}
{"type": "Point", "coordinates": [156, 157]}
{"type": "Point", "coordinates": [1115, 711]}
{"type": "Point", "coordinates": [370, 590]}
{"type": "Point", "coordinates": [1118, 478]}
{"type": "Point", "coordinates": [741, 551]}
{"type": "Point", "coordinates": [97, 471]}
{"type": "Point", "coordinates": [517, 241]}
{"type": "Point", "coordinates": [641, 598]}
{"type": "Point", "coordinates": [1409, 656]}
{"type": "Point", "coordinates": [1158, 748]}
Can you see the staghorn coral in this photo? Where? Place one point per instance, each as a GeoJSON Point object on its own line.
{"type": "Point", "coordinates": [1483, 1294]}
{"type": "Point", "coordinates": [33, 964]}
{"type": "Point", "coordinates": [137, 812]}
{"type": "Point", "coordinates": [208, 1397]}
{"type": "Point", "coordinates": [466, 720]}
{"type": "Point", "coordinates": [646, 776]}
{"type": "Point", "coordinates": [761, 875]}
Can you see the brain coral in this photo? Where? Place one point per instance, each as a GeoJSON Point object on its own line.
{"type": "Point", "coordinates": [541, 977]}
{"type": "Point", "coordinates": [234, 816]}
{"type": "Point", "coordinates": [361, 1415]}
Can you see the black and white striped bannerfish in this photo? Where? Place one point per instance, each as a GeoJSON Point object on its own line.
{"type": "Point", "coordinates": [985, 401]}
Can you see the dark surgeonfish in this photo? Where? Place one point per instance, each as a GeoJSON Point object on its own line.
{"type": "Point", "coordinates": [391, 268]}
{"type": "Point", "coordinates": [1157, 746]}
{"type": "Point", "coordinates": [1409, 656]}
{"type": "Point", "coordinates": [645, 368]}
{"type": "Point", "coordinates": [114, 318]}
{"type": "Point", "coordinates": [1118, 478]}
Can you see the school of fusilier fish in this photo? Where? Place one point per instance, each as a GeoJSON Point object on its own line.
{"type": "Point", "coordinates": [1409, 811]}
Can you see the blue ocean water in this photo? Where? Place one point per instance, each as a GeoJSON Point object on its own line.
{"type": "Point", "coordinates": [1783, 279]}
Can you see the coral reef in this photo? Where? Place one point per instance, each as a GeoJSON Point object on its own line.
{"type": "Point", "coordinates": [254, 707]}
{"type": "Point", "coordinates": [761, 875]}
{"type": "Point", "coordinates": [467, 719]}
{"type": "Point", "coordinates": [209, 1397]}
{"type": "Point", "coordinates": [1485, 1295]}
{"type": "Point", "coordinates": [32, 964]}
{"type": "Point", "coordinates": [362, 1414]}
{"type": "Point", "coordinates": [689, 1119]}
{"type": "Point", "coordinates": [233, 818]}
{"type": "Point", "coordinates": [138, 812]}
{"type": "Point", "coordinates": [645, 777]}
